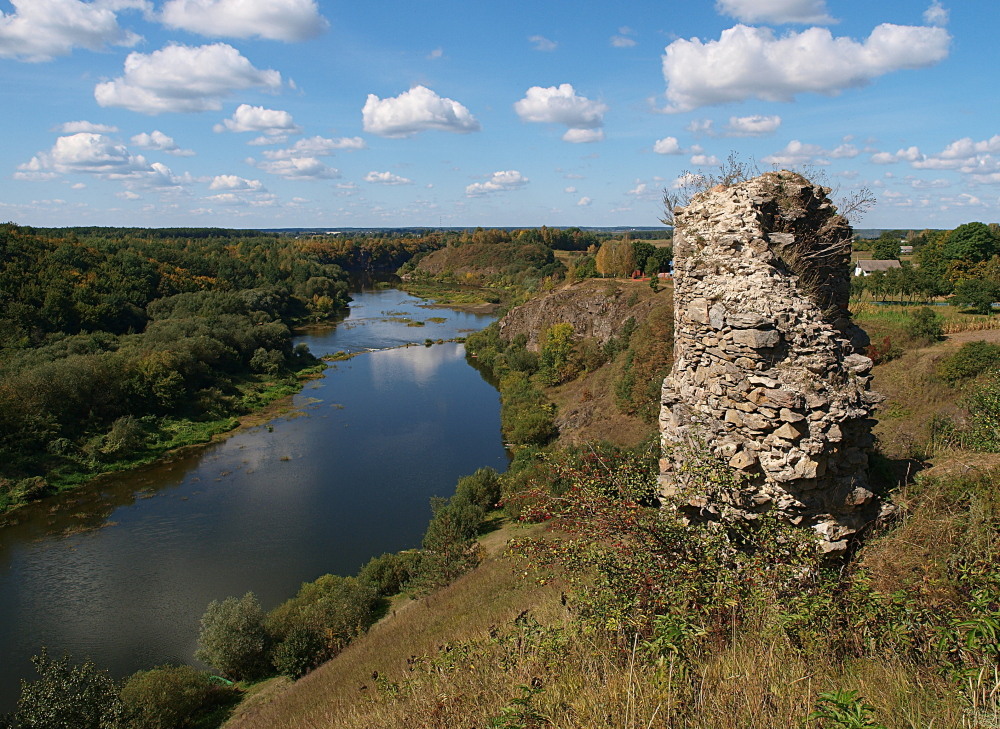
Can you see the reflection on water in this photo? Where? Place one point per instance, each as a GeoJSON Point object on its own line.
{"type": "Point", "coordinates": [122, 571]}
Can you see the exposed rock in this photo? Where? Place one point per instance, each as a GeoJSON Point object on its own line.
{"type": "Point", "coordinates": [768, 376]}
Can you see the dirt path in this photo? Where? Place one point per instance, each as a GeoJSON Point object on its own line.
{"type": "Point", "coordinates": [986, 335]}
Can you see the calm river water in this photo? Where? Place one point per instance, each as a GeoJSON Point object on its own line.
{"type": "Point", "coordinates": [121, 571]}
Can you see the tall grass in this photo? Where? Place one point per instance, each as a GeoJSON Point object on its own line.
{"type": "Point", "coordinates": [881, 320]}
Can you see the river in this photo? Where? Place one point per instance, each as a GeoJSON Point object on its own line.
{"type": "Point", "coordinates": [121, 571]}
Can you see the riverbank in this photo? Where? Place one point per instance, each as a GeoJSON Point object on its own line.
{"type": "Point", "coordinates": [177, 438]}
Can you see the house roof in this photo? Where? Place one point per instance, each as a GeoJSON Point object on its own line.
{"type": "Point", "coordinates": [872, 266]}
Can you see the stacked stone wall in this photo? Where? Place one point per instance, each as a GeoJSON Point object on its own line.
{"type": "Point", "coordinates": [769, 379]}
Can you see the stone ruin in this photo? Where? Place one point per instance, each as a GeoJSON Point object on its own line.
{"type": "Point", "coordinates": [769, 377]}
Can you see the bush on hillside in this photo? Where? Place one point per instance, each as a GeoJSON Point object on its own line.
{"type": "Point", "coordinates": [68, 695]}
{"type": "Point", "coordinates": [336, 608]}
{"type": "Point", "coordinates": [925, 325]}
{"type": "Point", "coordinates": [233, 639]}
{"type": "Point", "coordinates": [171, 697]}
{"type": "Point", "coordinates": [388, 573]}
{"type": "Point", "coordinates": [971, 360]}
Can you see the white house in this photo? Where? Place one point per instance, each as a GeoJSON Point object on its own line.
{"type": "Point", "coordinates": [866, 268]}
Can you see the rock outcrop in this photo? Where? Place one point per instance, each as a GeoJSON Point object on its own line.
{"type": "Point", "coordinates": [769, 384]}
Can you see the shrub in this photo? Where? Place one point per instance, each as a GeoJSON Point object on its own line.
{"type": "Point", "coordinates": [333, 607]}
{"type": "Point", "coordinates": [925, 325]}
{"type": "Point", "coordinates": [482, 488]}
{"type": "Point", "coordinates": [971, 360]}
{"type": "Point", "coordinates": [68, 696]}
{"type": "Point", "coordinates": [233, 639]}
{"type": "Point", "coordinates": [300, 652]}
{"type": "Point", "coordinates": [267, 361]}
{"type": "Point", "coordinates": [884, 351]}
{"type": "Point", "coordinates": [389, 572]}
{"type": "Point", "coordinates": [171, 697]}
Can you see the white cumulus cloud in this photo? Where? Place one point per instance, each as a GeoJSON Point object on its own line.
{"type": "Point", "coordinates": [316, 147]}
{"type": "Point", "coordinates": [157, 141]}
{"type": "Point", "coordinates": [499, 181]}
{"type": "Point", "coordinates": [85, 152]}
{"type": "Point", "coordinates": [755, 63]}
{"type": "Point", "coordinates": [624, 38]}
{"type": "Point", "coordinates": [704, 160]}
{"type": "Point", "coordinates": [936, 14]}
{"type": "Point", "coordinates": [285, 20]}
{"type": "Point", "coordinates": [298, 168]}
{"type": "Point", "coordinates": [387, 178]}
{"type": "Point", "coordinates": [583, 136]}
{"type": "Point", "coordinates": [416, 110]}
{"type": "Point", "coordinates": [752, 126]}
{"type": "Point", "coordinates": [796, 154]}
{"type": "Point", "coordinates": [667, 145]}
{"type": "Point", "coordinates": [235, 183]}
{"type": "Point", "coordinates": [246, 118]}
{"type": "Point", "coordinates": [910, 154]}
{"type": "Point", "coordinates": [179, 78]}
{"type": "Point", "coordinates": [584, 202]}
{"type": "Point", "coordinates": [561, 105]}
{"type": "Point", "coordinates": [805, 12]}
{"type": "Point", "coordinates": [97, 154]}
{"type": "Point", "coordinates": [40, 30]}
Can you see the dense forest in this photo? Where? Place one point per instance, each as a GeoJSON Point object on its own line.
{"type": "Point", "coordinates": [118, 344]}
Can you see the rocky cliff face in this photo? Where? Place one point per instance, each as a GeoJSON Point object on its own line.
{"type": "Point", "coordinates": [768, 377]}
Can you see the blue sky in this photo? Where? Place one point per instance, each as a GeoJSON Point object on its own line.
{"type": "Point", "coordinates": [276, 113]}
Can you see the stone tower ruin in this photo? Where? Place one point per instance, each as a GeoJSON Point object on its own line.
{"type": "Point", "coordinates": [769, 379]}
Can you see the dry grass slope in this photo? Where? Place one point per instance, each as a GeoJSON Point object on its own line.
{"type": "Point", "coordinates": [343, 692]}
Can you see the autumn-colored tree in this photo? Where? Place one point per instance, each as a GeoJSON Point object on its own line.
{"type": "Point", "coordinates": [615, 258]}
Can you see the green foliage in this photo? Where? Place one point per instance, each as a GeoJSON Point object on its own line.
{"type": "Point", "coordinates": [520, 713]}
{"type": "Point", "coordinates": [302, 649]}
{"type": "Point", "coordinates": [171, 697]}
{"type": "Point", "coordinates": [976, 294]}
{"type": "Point", "coordinates": [388, 573]}
{"type": "Point", "coordinates": [555, 362]}
{"type": "Point", "coordinates": [585, 267]}
{"type": "Point", "coordinates": [887, 246]}
{"type": "Point", "coordinates": [970, 242]}
{"type": "Point", "coordinates": [925, 325]}
{"type": "Point", "coordinates": [233, 639]}
{"type": "Point", "coordinates": [981, 432]}
{"type": "Point", "coordinates": [332, 608]}
{"type": "Point", "coordinates": [67, 695]}
{"type": "Point", "coordinates": [449, 542]}
{"type": "Point", "coordinates": [642, 252]}
{"type": "Point", "coordinates": [482, 488]}
{"type": "Point", "coordinates": [111, 336]}
{"type": "Point", "coordinates": [844, 710]}
{"type": "Point", "coordinates": [971, 360]}
{"type": "Point", "coordinates": [648, 359]}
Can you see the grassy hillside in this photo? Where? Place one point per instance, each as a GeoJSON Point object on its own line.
{"type": "Point", "coordinates": [608, 612]}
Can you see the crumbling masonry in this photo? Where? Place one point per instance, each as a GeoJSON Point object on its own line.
{"type": "Point", "coordinates": [768, 378]}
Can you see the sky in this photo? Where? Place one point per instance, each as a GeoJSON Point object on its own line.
{"type": "Point", "coordinates": [298, 113]}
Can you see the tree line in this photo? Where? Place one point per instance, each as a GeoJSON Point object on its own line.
{"type": "Point", "coordinates": [962, 264]}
